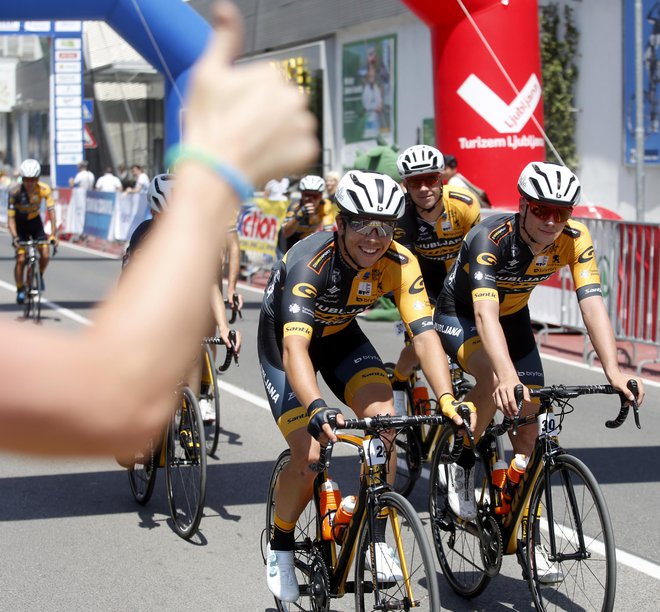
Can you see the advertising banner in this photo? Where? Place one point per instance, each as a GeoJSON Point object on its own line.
{"type": "Point", "coordinates": [129, 211]}
{"type": "Point", "coordinates": [368, 92]}
{"type": "Point", "coordinates": [651, 70]}
{"type": "Point", "coordinates": [75, 218]}
{"type": "Point", "coordinates": [257, 226]}
{"type": "Point", "coordinates": [487, 81]}
{"type": "Point", "coordinates": [98, 213]}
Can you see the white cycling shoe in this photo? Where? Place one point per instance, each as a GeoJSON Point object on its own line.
{"type": "Point", "coordinates": [547, 572]}
{"type": "Point", "coordinates": [281, 575]}
{"type": "Point", "coordinates": [387, 566]}
{"type": "Point", "coordinates": [207, 408]}
{"type": "Point", "coordinates": [460, 492]}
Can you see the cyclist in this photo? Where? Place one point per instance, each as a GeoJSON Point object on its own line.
{"type": "Point", "coordinates": [482, 314]}
{"type": "Point", "coordinates": [308, 324]}
{"type": "Point", "coordinates": [311, 214]}
{"type": "Point", "coordinates": [24, 220]}
{"type": "Point", "coordinates": [158, 194]}
{"type": "Point", "coordinates": [433, 226]}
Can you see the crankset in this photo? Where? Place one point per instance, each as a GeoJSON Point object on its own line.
{"type": "Point", "coordinates": [492, 546]}
{"type": "Point", "coordinates": [319, 583]}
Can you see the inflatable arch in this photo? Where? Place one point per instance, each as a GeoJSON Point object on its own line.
{"type": "Point", "coordinates": [491, 125]}
{"type": "Point", "coordinates": [179, 32]}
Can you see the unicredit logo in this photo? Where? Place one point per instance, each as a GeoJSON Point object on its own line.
{"type": "Point", "coordinates": [505, 118]}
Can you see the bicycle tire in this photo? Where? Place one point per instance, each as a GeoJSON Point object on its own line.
{"type": "Point", "coordinates": [185, 466]}
{"type": "Point", "coordinates": [579, 512]}
{"type": "Point", "coordinates": [212, 430]}
{"type": "Point", "coordinates": [457, 544]}
{"type": "Point", "coordinates": [142, 478]}
{"type": "Point", "coordinates": [391, 592]}
{"type": "Point", "coordinates": [29, 300]}
{"type": "Point", "coordinates": [36, 287]}
{"type": "Point", "coordinates": [305, 554]}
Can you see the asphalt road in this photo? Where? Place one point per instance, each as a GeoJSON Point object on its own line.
{"type": "Point", "coordinates": [73, 538]}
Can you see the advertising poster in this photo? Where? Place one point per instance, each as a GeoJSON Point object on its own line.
{"type": "Point", "coordinates": [651, 87]}
{"type": "Point", "coordinates": [369, 90]}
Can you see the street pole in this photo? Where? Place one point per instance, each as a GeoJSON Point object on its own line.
{"type": "Point", "coordinates": [639, 112]}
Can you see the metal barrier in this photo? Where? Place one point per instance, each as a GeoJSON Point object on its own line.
{"type": "Point", "coordinates": [628, 256]}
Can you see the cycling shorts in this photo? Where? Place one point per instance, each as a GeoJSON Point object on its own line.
{"type": "Point", "coordinates": [460, 340]}
{"type": "Point", "coordinates": [346, 360]}
{"type": "Point", "coordinates": [26, 230]}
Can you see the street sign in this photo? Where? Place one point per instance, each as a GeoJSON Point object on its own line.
{"type": "Point", "coordinates": [88, 110]}
{"type": "Point", "coordinates": [89, 141]}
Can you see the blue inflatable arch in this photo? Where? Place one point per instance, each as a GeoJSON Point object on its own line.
{"type": "Point", "coordinates": [180, 34]}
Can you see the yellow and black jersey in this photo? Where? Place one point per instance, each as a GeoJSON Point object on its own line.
{"type": "Point", "coordinates": [494, 263]}
{"type": "Point", "coordinates": [25, 207]}
{"type": "Point", "coordinates": [437, 245]}
{"type": "Point", "coordinates": [322, 221]}
{"type": "Point", "coordinates": [313, 292]}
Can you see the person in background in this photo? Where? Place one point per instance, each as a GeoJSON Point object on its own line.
{"type": "Point", "coordinates": [451, 176]}
{"type": "Point", "coordinates": [276, 190]}
{"type": "Point", "coordinates": [141, 180]}
{"type": "Point", "coordinates": [108, 182]}
{"type": "Point", "coordinates": [84, 179]}
{"type": "Point", "coordinates": [331, 182]}
{"type": "Point", "coordinates": [125, 177]}
{"type": "Point", "coordinates": [108, 389]}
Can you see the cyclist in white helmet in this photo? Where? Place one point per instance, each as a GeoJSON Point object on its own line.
{"type": "Point", "coordinates": [24, 220]}
{"type": "Point", "coordinates": [158, 193]}
{"type": "Point", "coordinates": [482, 313]}
{"type": "Point", "coordinates": [311, 214]}
{"type": "Point", "coordinates": [308, 324]}
{"type": "Point", "coordinates": [436, 220]}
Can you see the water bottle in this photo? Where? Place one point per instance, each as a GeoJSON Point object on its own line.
{"type": "Point", "coordinates": [330, 498]}
{"type": "Point", "coordinates": [343, 517]}
{"type": "Point", "coordinates": [499, 473]}
{"type": "Point", "coordinates": [513, 476]}
{"type": "Point", "coordinates": [420, 396]}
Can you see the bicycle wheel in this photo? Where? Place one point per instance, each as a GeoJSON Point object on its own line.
{"type": "Point", "coordinates": [311, 572]}
{"type": "Point", "coordinates": [570, 509]}
{"type": "Point", "coordinates": [185, 466]}
{"type": "Point", "coordinates": [35, 290]}
{"type": "Point", "coordinates": [407, 576]}
{"type": "Point", "coordinates": [212, 428]}
{"type": "Point", "coordinates": [457, 543]}
{"type": "Point", "coordinates": [142, 477]}
{"type": "Point", "coordinates": [29, 298]}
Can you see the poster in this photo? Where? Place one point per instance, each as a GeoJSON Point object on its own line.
{"type": "Point", "coordinates": [651, 81]}
{"type": "Point", "coordinates": [369, 90]}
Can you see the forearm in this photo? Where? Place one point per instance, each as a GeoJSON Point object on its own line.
{"type": "Point", "coordinates": [433, 361]}
{"type": "Point", "coordinates": [218, 307]}
{"type": "Point", "coordinates": [490, 331]}
{"type": "Point", "coordinates": [601, 334]}
{"type": "Point", "coordinates": [289, 227]}
{"type": "Point", "coordinates": [234, 254]}
{"type": "Point", "coordinates": [300, 371]}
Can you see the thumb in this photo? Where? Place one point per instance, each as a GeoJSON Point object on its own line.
{"type": "Point", "coordinates": [227, 41]}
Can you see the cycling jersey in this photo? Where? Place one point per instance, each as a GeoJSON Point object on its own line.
{"type": "Point", "coordinates": [322, 220]}
{"type": "Point", "coordinates": [25, 207]}
{"type": "Point", "coordinates": [494, 263]}
{"type": "Point", "coordinates": [313, 292]}
{"type": "Point", "coordinates": [437, 244]}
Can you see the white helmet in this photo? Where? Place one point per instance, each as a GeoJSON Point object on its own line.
{"type": "Point", "coordinates": [311, 182]}
{"type": "Point", "coordinates": [159, 191]}
{"type": "Point", "coordinates": [30, 168]}
{"type": "Point", "coordinates": [370, 194]}
{"type": "Point", "coordinates": [419, 159]}
{"type": "Point", "coordinates": [549, 183]}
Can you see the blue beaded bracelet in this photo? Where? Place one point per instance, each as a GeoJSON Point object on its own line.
{"type": "Point", "coordinates": [236, 180]}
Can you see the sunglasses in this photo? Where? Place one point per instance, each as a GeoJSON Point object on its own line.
{"type": "Point", "coordinates": [559, 214]}
{"type": "Point", "coordinates": [428, 180]}
{"type": "Point", "coordinates": [366, 226]}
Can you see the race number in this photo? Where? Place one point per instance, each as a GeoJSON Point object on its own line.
{"type": "Point", "coordinates": [548, 424]}
{"type": "Point", "coordinates": [374, 450]}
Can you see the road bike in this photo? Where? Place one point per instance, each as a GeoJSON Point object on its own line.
{"type": "Point", "coordinates": [322, 572]}
{"type": "Point", "coordinates": [415, 445]}
{"type": "Point", "coordinates": [210, 388]}
{"type": "Point", "coordinates": [558, 525]}
{"type": "Point", "coordinates": [33, 283]}
{"type": "Point", "coordinates": [182, 453]}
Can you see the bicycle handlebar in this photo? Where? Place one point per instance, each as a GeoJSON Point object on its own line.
{"type": "Point", "coordinates": [372, 425]}
{"type": "Point", "coordinates": [567, 392]}
{"type": "Point", "coordinates": [231, 349]}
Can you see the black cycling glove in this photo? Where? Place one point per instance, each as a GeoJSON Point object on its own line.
{"type": "Point", "coordinates": [319, 414]}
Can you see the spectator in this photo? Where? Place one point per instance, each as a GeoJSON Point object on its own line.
{"type": "Point", "coordinates": [84, 179]}
{"type": "Point", "coordinates": [125, 177]}
{"type": "Point", "coordinates": [331, 182]}
{"type": "Point", "coordinates": [141, 180]}
{"type": "Point", "coordinates": [108, 182]}
{"type": "Point", "coordinates": [451, 176]}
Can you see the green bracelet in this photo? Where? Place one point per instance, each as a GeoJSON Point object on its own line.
{"type": "Point", "coordinates": [237, 181]}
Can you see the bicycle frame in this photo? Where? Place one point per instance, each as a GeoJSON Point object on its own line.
{"type": "Point", "coordinates": [372, 483]}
